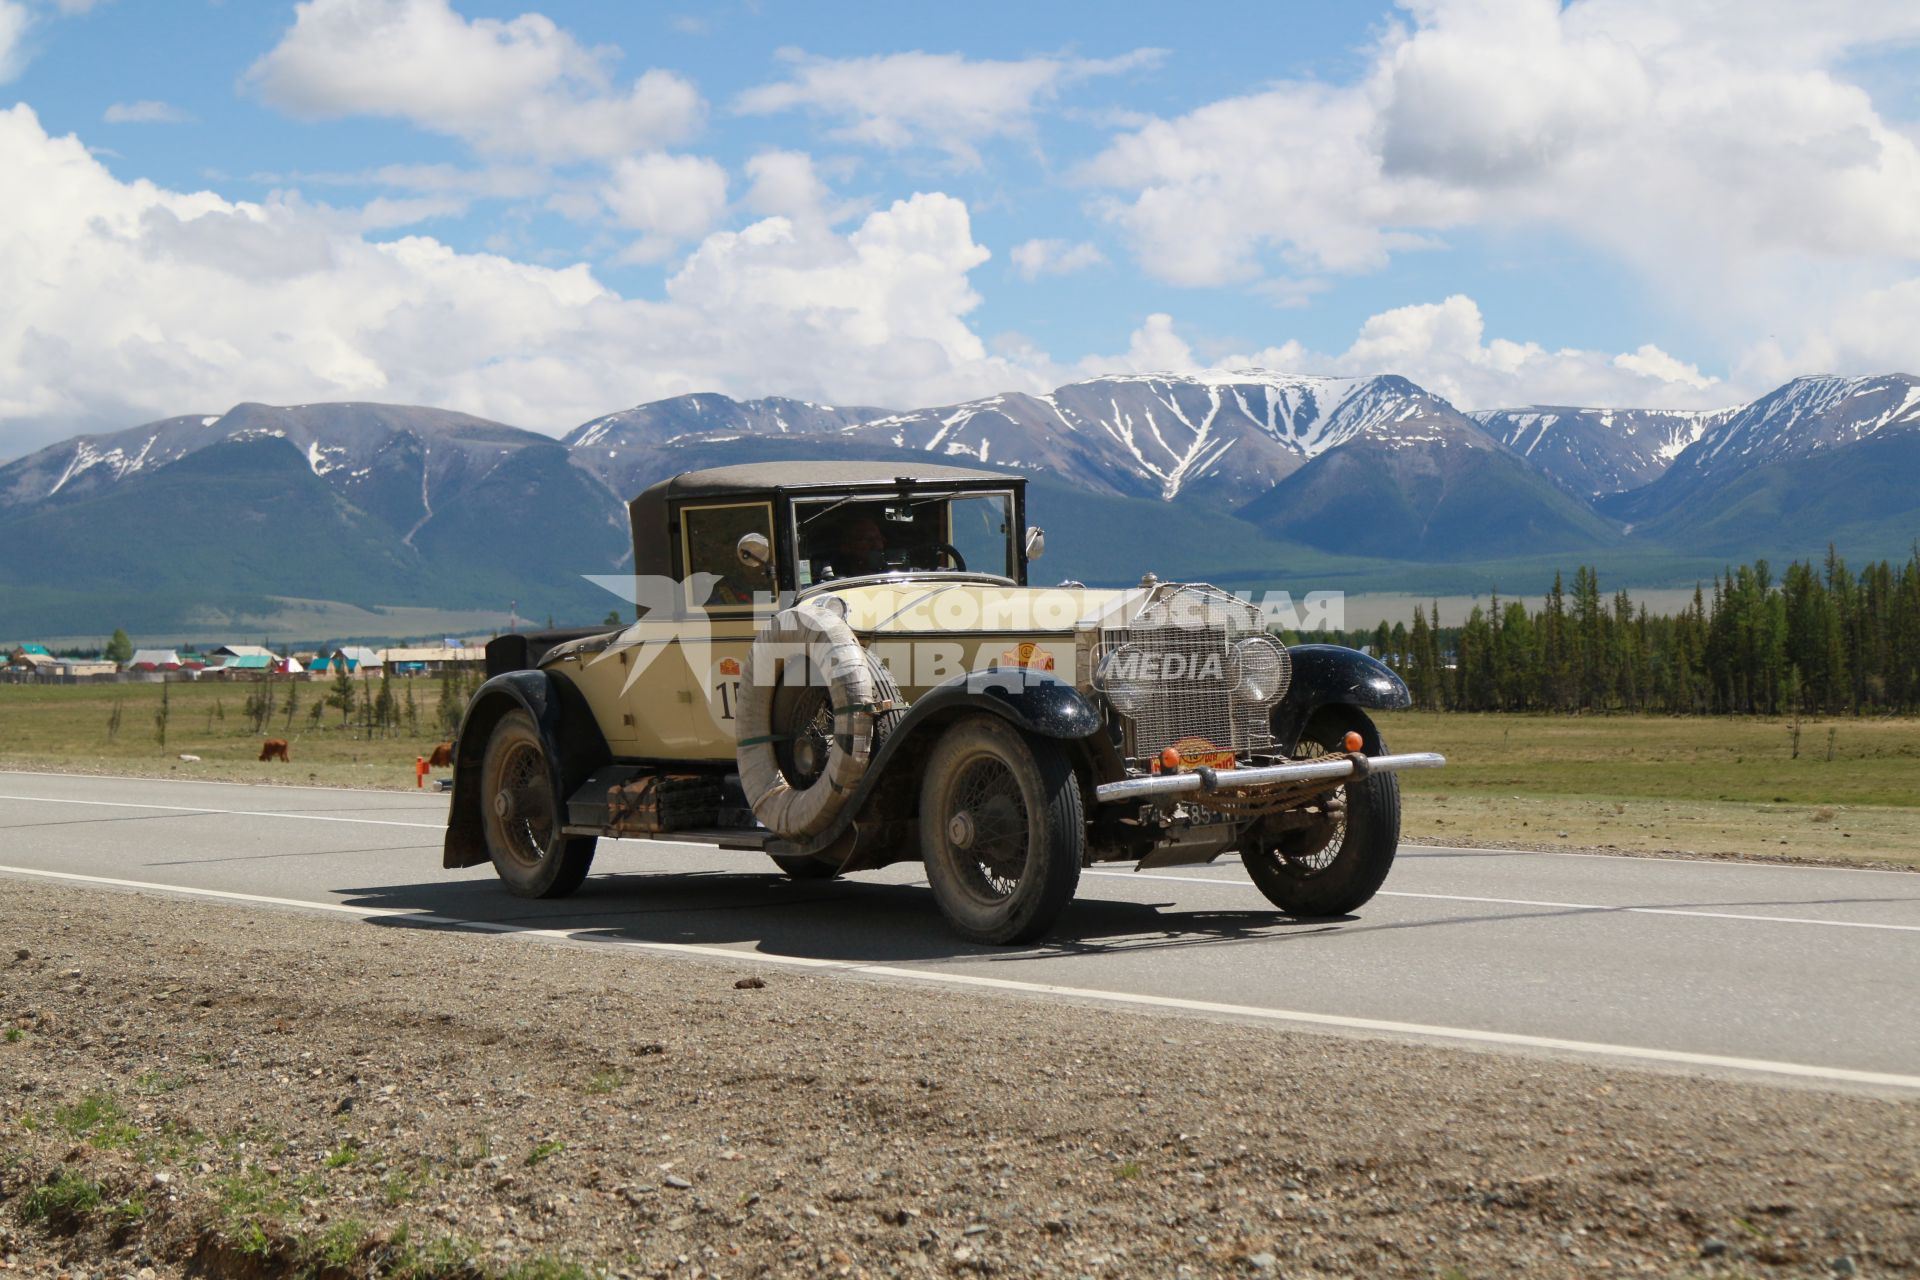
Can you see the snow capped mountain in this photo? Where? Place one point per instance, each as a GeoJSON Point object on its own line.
{"type": "Point", "coordinates": [1591, 452]}
{"type": "Point", "coordinates": [1805, 419]}
{"type": "Point", "coordinates": [372, 454]}
{"type": "Point", "coordinates": [1223, 435]}
{"type": "Point", "coordinates": [708, 416]}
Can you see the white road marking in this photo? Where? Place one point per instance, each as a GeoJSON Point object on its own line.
{"type": "Point", "coordinates": [1128, 875]}
{"type": "Point", "coordinates": [235, 813]}
{"type": "Point", "coordinates": [417, 793]}
{"type": "Point", "coordinates": [1471, 1035]}
{"type": "Point", "coordinates": [1529, 902]}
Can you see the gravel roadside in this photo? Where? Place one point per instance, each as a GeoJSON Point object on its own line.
{"type": "Point", "coordinates": [189, 1088]}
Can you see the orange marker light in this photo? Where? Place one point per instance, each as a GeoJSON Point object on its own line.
{"type": "Point", "coordinates": [1170, 758]}
{"type": "Point", "coordinates": [1353, 742]}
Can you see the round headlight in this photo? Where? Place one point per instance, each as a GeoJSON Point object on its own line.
{"type": "Point", "coordinates": [1122, 678]}
{"type": "Point", "coordinates": [1258, 668]}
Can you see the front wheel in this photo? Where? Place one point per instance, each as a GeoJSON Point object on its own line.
{"type": "Point", "coordinates": [1340, 857]}
{"type": "Point", "coordinates": [521, 815]}
{"type": "Point", "coordinates": [1002, 830]}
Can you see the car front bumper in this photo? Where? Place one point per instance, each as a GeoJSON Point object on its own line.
{"type": "Point", "coordinates": [1346, 768]}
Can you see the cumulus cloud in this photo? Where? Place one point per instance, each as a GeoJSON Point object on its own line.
{"type": "Point", "coordinates": [668, 198]}
{"type": "Point", "coordinates": [1036, 258]}
{"type": "Point", "coordinates": [1444, 347]}
{"type": "Point", "coordinates": [943, 100]}
{"type": "Point", "coordinates": [127, 301]}
{"type": "Point", "coordinates": [14, 21]}
{"type": "Point", "coordinates": [144, 112]}
{"type": "Point", "coordinates": [1718, 155]}
{"type": "Point", "coordinates": [521, 86]}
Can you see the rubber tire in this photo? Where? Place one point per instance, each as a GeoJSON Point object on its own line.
{"type": "Point", "coordinates": [1367, 849]}
{"type": "Point", "coordinates": [804, 866]}
{"type": "Point", "coordinates": [564, 867]}
{"type": "Point", "coordinates": [1056, 833]}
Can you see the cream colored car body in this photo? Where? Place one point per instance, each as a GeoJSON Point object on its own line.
{"type": "Point", "coordinates": [658, 695]}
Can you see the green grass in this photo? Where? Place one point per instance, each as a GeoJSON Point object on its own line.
{"type": "Point", "coordinates": [1721, 784]}
{"type": "Point", "coordinates": [64, 1201]}
{"type": "Point", "coordinates": [544, 1150]}
{"type": "Point", "coordinates": [99, 1120]}
{"type": "Point", "coordinates": [66, 727]}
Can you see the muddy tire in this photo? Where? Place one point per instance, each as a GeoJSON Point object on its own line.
{"type": "Point", "coordinates": [1333, 868]}
{"type": "Point", "coordinates": [803, 867]}
{"type": "Point", "coordinates": [1002, 830]}
{"type": "Point", "coordinates": [522, 816]}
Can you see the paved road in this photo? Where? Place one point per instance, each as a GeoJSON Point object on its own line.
{"type": "Point", "coordinates": [1796, 971]}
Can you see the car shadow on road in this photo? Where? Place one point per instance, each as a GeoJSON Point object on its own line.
{"type": "Point", "coordinates": [847, 921]}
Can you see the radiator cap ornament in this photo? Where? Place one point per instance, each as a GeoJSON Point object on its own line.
{"type": "Point", "coordinates": [1148, 579]}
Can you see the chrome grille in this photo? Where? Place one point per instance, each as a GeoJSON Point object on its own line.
{"type": "Point", "coordinates": [1181, 637]}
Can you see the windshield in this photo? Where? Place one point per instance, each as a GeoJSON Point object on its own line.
{"type": "Point", "coordinates": [850, 535]}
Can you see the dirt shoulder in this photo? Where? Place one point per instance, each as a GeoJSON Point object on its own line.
{"type": "Point", "coordinates": [188, 1087]}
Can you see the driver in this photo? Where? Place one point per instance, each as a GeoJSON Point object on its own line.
{"type": "Point", "coordinates": [859, 548]}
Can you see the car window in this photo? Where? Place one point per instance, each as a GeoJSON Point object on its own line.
{"type": "Point", "coordinates": [853, 535]}
{"type": "Point", "coordinates": [711, 546]}
{"type": "Point", "coordinates": [979, 526]}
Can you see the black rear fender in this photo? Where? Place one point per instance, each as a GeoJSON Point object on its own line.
{"type": "Point", "coordinates": [574, 749]}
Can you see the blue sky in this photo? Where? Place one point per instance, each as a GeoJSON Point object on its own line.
{"type": "Point", "coordinates": [546, 211]}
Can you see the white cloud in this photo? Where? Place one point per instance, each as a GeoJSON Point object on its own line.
{"type": "Point", "coordinates": [128, 301]}
{"type": "Point", "coordinates": [1036, 258]}
{"type": "Point", "coordinates": [522, 86]}
{"type": "Point", "coordinates": [15, 18]}
{"type": "Point", "coordinates": [1443, 346]}
{"type": "Point", "coordinates": [1721, 154]}
{"type": "Point", "coordinates": [670, 198]}
{"type": "Point", "coordinates": [145, 112]}
{"type": "Point", "coordinates": [953, 103]}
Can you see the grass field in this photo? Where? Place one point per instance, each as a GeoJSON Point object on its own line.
{"type": "Point", "coordinates": [1725, 785]}
{"type": "Point", "coordinates": [1720, 785]}
{"type": "Point", "coordinates": [65, 727]}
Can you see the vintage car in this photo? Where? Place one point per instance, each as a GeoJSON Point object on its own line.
{"type": "Point", "coordinates": [845, 666]}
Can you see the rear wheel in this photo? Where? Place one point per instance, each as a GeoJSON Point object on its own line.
{"type": "Point", "coordinates": [522, 816]}
{"type": "Point", "coordinates": [1002, 830]}
{"type": "Point", "coordinates": [1339, 859]}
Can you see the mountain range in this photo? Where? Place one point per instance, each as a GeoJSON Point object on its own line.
{"type": "Point", "coordinates": [1249, 477]}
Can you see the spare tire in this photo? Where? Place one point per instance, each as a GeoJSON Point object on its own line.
{"type": "Point", "coordinates": [815, 645]}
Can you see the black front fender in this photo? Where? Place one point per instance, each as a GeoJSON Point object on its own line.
{"type": "Point", "coordinates": [1328, 675]}
{"type": "Point", "coordinates": [574, 749]}
{"type": "Point", "coordinates": [1038, 702]}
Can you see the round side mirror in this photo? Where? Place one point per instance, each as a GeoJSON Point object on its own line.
{"type": "Point", "coordinates": [1036, 541]}
{"type": "Point", "coordinates": [754, 551]}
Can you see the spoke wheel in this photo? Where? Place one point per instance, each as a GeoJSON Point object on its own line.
{"type": "Point", "coordinates": [803, 719]}
{"type": "Point", "coordinates": [1001, 829]}
{"type": "Point", "coordinates": [1331, 866]}
{"type": "Point", "coordinates": [522, 816]}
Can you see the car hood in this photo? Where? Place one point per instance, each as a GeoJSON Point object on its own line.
{"type": "Point", "coordinates": [921, 606]}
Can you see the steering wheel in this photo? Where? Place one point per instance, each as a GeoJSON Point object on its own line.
{"type": "Point", "coordinates": [951, 552]}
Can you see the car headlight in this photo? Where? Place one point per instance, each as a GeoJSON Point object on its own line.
{"type": "Point", "coordinates": [1122, 677]}
{"type": "Point", "coordinates": [1258, 668]}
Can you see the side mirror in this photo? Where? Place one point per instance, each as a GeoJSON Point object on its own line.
{"type": "Point", "coordinates": [754, 551]}
{"type": "Point", "coordinates": [1036, 541]}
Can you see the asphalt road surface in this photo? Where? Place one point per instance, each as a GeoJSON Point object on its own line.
{"type": "Point", "coordinates": [1782, 971]}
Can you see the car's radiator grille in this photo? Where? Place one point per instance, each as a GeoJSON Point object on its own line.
{"type": "Point", "coordinates": [1178, 658]}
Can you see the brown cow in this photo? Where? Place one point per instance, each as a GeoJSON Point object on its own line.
{"type": "Point", "coordinates": [442, 757]}
{"type": "Point", "coordinates": [275, 749]}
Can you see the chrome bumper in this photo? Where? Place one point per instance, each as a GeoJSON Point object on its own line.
{"type": "Point", "coordinates": [1341, 770]}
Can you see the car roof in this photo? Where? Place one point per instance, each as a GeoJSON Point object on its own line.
{"type": "Point", "coordinates": [819, 475]}
{"type": "Point", "coordinates": [648, 512]}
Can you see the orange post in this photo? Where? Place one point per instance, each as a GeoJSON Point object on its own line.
{"type": "Point", "coordinates": [420, 772]}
